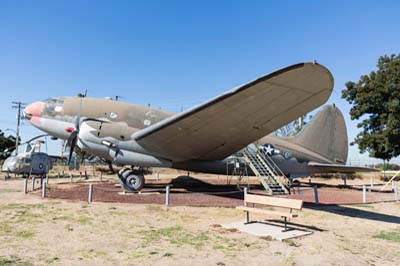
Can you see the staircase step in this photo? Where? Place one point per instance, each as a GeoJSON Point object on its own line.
{"type": "Point", "coordinates": [266, 172]}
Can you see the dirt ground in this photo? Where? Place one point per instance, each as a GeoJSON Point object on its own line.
{"type": "Point", "coordinates": [35, 231]}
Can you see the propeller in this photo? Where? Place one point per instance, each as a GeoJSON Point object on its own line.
{"type": "Point", "coordinates": [83, 157]}
{"type": "Point", "coordinates": [73, 137]}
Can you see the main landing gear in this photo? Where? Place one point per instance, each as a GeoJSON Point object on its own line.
{"type": "Point", "coordinates": [131, 180]}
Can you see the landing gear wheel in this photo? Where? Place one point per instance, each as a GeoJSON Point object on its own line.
{"type": "Point", "coordinates": [122, 177]}
{"type": "Point", "coordinates": [130, 181]}
{"type": "Point", "coordinates": [134, 182]}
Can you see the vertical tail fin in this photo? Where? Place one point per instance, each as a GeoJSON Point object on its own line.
{"type": "Point", "coordinates": [326, 135]}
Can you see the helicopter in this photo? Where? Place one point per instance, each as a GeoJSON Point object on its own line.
{"type": "Point", "coordinates": [30, 162]}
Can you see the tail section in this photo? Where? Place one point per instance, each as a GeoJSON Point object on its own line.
{"type": "Point", "coordinates": [326, 135]}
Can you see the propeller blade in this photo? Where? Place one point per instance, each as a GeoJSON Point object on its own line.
{"type": "Point", "coordinates": [68, 142]}
{"type": "Point", "coordinates": [72, 139]}
{"type": "Point", "coordinates": [71, 151]}
{"type": "Point", "coordinates": [83, 157]}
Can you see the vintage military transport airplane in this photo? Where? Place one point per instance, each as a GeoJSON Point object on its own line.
{"type": "Point", "coordinates": [203, 137]}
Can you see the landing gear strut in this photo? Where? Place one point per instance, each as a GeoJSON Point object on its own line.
{"type": "Point", "coordinates": [131, 180]}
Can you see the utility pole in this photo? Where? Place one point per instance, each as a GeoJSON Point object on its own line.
{"type": "Point", "coordinates": [18, 105]}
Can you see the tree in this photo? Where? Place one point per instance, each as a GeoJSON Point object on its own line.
{"type": "Point", "coordinates": [376, 100]}
{"type": "Point", "coordinates": [388, 166]}
{"type": "Point", "coordinates": [6, 143]}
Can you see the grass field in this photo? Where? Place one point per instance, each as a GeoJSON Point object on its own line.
{"type": "Point", "coordinates": [34, 231]}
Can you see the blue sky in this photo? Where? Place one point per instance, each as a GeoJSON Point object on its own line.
{"type": "Point", "coordinates": [173, 54]}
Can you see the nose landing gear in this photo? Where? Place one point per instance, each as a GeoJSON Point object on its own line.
{"type": "Point", "coordinates": [131, 180]}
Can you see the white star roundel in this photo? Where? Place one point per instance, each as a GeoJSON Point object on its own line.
{"type": "Point", "coordinates": [269, 149]}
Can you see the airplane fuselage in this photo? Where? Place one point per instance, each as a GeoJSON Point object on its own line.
{"type": "Point", "coordinates": [57, 116]}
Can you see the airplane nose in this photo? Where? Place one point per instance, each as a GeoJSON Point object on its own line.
{"type": "Point", "coordinates": [34, 109]}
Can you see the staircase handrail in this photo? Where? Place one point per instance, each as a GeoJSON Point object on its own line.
{"type": "Point", "coordinates": [275, 168]}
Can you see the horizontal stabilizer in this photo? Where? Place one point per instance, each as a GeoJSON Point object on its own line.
{"type": "Point", "coordinates": [339, 168]}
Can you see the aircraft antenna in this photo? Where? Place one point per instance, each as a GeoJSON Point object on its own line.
{"type": "Point", "coordinates": [18, 105]}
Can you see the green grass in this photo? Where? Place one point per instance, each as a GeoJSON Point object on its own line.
{"type": "Point", "coordinates": [14, 206]}
{"type": "Point", "coordinates": [74, 218]}
{"type": "Point", "coordinates": [91, 254]}
{"type": "Point", "coordinates": [393, 235]}
{"type": "Point", "coordinates": [155, 234]}
{"type": "Point", "coordinates": [13, 260]}
{"type": "Point", "coordinates": [175, 235]}
{"type": "Point", "coordinates": [23, 213]}
{"type": "Point", "coordinates": [52, 260]}
{"type": "Point", "coordinates": [24, 234]}
{"type": "Point", "coordinates": [27, 216]}
{"type": "Point", "coordinates": [137, 255]}
{"type": "Point", "coordinates": [292, 243]}
{"type": "Point", "coordinates": [5, 228]}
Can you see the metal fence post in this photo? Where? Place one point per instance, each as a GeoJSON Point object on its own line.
{"type": "Point", "coordinates": [244, 196]}
{"type": "Point", "coordinates": [167, 196]}
{"type": "Point", "coordinates": [70, 178]}
{"type": "Point", "coordinates": [44, 189]}
{"type": "Point", "coordinates": [25, 185]}
{"type": "Point", "coordinates": [101, 176]}
{"type": "Point", "coordinates": [316, 194]}
{"type": "Point", "coordinates": [33, 183]}
{"type": "Point", "coordinates": [90, 196]}
{"type": "Point", "coordinates": [364, 194]}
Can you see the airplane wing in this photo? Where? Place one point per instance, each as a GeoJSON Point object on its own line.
{"type": "Point", "coordinates": [220, 127]}
{"type": "Point", "coordinates": [339, 168]}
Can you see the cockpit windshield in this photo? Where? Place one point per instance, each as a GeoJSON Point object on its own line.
{"type": "Point", "coordinates": [58, 101]}
{"type": "Point", "coordinates": [54, 104]}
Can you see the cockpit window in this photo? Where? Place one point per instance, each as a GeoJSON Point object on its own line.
{"type": "Point", "coordinates": [57, 101]}
{"type": "Point", "coordinates": [54, 104]}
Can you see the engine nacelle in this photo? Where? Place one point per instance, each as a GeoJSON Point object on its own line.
{"type": "Point", "coordinates": [113, 142]}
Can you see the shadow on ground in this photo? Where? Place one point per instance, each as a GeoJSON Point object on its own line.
{"type": "Point", "coordinates": [355, 213]}
{"type": "Point", "coordinates": [188, 184]}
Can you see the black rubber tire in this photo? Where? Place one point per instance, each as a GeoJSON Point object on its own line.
{"type": "Point", "coordinates": [122, 174]}
{"type": "Point", "coordinates": [134, 182]}
{"type": "Point", "coordinates": [123, 171]}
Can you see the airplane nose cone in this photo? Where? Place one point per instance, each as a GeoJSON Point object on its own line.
{"type": "Point", "coordinates": [34, 109]}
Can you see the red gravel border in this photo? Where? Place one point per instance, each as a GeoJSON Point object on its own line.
{"type": "Point", "coordinates": [204, 194]}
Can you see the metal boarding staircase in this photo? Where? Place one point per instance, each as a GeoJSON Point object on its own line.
{"type": "Point", "coordinates": [271, 177]}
